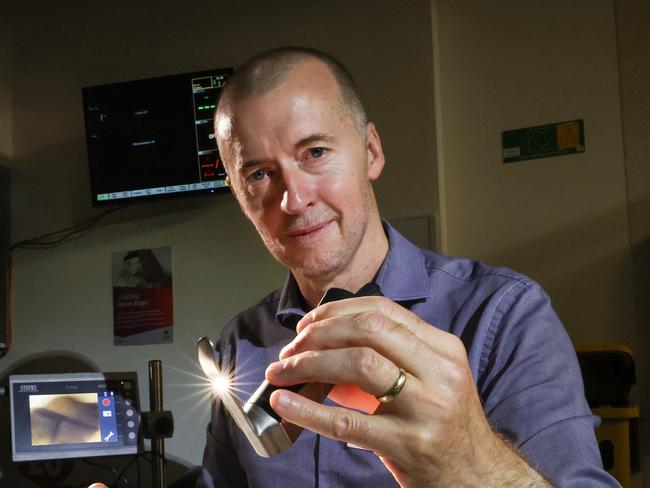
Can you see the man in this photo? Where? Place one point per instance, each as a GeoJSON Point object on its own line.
{"type": "Point", "coordinates": [492, 394]}
{"type": "Point", "coordinates": [301, 157]}
{"type": "Point", "coordinates": [132, 273]}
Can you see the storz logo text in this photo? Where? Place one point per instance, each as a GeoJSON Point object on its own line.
{"type": "Point", "coordinates": [28, 389]}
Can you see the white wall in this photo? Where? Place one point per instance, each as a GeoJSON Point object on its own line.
{"type": "Point", "coordinates": [561, 220]}
{"type": "Point", "coordinates": [504, 65]}
{"type": "Point", "coordinates": [62, 299]}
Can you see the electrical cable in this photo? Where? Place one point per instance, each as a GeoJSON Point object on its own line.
{"type": "Point", "coordinates": [153, 453]}
{"type": "Point", "coordinates": [135, 458]}
{"type": "Point", "coordinates": [59, 237]}
{"type": "Point", "coordinates": [120, 476]}
{"type": "Point", "coordinates": [46, 241]}
{"type": "Point", "coordinates": [108, 468]}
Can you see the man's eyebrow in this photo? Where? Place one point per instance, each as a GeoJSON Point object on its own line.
{"type": "Point", "coordinates": [318, 137]}
{"type": "Point", "coordinates": [306, 141]}
{"type": "Point", "coordinates": [248, 163]}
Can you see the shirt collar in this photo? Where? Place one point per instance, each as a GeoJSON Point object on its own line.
{"type": "Point", "coordinates": [402, 277]}
{"type": "Point", "coordinates": [291, 300]}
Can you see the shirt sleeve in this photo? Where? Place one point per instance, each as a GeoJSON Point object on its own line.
{"type": "Point", "coordinates": [533, 394]}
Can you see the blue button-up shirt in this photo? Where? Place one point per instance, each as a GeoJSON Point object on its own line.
{"type": "Point", "coordinates": [520, 356]}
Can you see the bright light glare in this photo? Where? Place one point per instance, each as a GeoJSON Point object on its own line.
{"type": "Point", "coordinates": [221, 384]}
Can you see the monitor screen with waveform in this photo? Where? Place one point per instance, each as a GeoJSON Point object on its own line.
{"type": "Point", "coordinates": [154, 138]}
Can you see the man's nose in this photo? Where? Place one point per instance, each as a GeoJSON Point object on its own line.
{"type": "Point", "coordinates": [298, 191]}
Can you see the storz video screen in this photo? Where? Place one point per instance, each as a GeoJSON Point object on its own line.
{"type": "Point", "coordinates": [74, 415]}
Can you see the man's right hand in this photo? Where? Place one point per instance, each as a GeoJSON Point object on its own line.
{"type": "Point", "coordinates": [434, 433]}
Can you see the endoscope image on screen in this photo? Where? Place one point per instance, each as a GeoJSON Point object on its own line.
{"type": "Point", "coordinates": [74, 415]}
{"type": "Point", "coordinates": [64, 419]}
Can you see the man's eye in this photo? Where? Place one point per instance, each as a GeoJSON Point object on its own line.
{"type": "Point", "coordinates": [257, 175]}
{"type": "Point", "coordinates": [316, 152]}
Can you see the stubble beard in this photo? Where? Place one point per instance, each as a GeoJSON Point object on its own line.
{"type": "Point", "coordinates": [327, 263]}
{"type": "Point", "coordinates": [313, 261]}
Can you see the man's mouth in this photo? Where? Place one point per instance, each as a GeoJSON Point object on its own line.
{"type": "Point", "coordinates": [308, 232]}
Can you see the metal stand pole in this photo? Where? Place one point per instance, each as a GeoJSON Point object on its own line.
{"type": "Point", "coordinates": [159, 470]}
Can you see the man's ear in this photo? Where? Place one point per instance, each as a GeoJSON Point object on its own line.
{"type": "Point", "coordinates": [375, 152]}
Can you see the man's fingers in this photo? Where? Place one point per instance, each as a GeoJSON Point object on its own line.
{"type": "Point", "coordinates": [365, 330]}
{"type": "Point", "coordinates": [382, 306]}
{"type": "Point", "coordinates": [362, 366]}
{"type": "Point", "coordinates": [393, 340]}
{"type": "Point", "coordinates": [368, 431]}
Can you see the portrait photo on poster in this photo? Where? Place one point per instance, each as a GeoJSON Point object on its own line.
{"type": "Point", "coordinates": [142, 296]}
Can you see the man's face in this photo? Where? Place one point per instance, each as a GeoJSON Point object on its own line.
{"type": "Point", "coordinates": [133, 266]}
{"type": "Point", "coordinates": [301, 171]}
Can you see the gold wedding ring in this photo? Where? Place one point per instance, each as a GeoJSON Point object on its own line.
{"type": "Point", "coordinates": [394, 390]}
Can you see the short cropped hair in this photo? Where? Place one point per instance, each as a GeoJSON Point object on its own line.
{"type": "Point", "coordinates": [131, 255]}
{"type": "Point", "coordinates": [266, 70]}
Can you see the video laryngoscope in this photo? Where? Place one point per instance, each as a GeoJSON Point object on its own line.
{"type": "Point", "coordinates": [265, 430]}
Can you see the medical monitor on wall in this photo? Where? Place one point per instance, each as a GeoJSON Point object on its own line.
{"type": "Point", "coordinates": [154, 138]}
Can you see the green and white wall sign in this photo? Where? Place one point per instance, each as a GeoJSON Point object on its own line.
{"type": "Point", "coordinates": [543, 141]}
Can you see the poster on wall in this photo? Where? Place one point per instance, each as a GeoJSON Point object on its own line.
{"type": "Point", "coordinates": [142, 297]}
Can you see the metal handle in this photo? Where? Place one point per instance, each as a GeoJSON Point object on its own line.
{"type": "Point", "coordinates": [159, 471]}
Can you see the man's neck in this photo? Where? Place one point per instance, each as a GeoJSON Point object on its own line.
{"type": "Point", "coordinates": [363, 268]}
